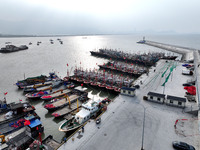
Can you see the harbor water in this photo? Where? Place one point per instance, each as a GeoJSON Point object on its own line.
{"type": "Point", "coordinates": [74, 52]}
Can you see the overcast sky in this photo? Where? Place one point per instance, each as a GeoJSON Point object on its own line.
{"type": "Point", "coordinates": [98, 16]}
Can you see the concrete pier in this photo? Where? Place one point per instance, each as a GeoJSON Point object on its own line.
{"type": "Point", "coordinates": [187, 53]}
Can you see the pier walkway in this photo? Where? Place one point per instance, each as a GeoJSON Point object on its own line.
{"type": "Point", "coordinates": [186, 52]}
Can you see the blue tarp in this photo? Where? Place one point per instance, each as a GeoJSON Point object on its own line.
{"type": "Point", "coordinates": [35, 123]}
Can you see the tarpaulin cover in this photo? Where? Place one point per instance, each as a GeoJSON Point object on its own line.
{"type": "Point", "coordinates": [191, 89]}
{"type": "Point", "coordinates": [46, 96]}
{"type": "Point", "coordinates": [35, 123]}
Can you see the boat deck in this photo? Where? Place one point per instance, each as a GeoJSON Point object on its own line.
{"type": "Point", "coordinates": [13, 134]}
{"type": "Point", "coordinates": [64, 101]}
{"type": "Point", "coordinates": [6, 129]}
{"type": "Point", "coordinates": [66, 110]}
{"type": "Point", "coordinates": [39, 84]}
{"type": "Point", "coordinates": [60, 93]}
{"type": "Point", "coordinates": [50, 143]}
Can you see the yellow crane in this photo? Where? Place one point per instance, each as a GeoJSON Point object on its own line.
{"type": "Point", "coordinates": [2, 138]}
{"type": "Point", "coordinates": [77, 106]}
{"type": "Point", "coordinates": [67, 97]}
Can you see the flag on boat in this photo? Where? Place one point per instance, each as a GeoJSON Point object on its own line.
{"type": "Point", "coordinates": [5, 93]}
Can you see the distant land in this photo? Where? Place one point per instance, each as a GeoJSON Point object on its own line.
{"type": "Point", "coordinates": [135, 33]}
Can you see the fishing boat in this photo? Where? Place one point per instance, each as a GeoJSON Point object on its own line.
{"type": "Point", "coordinates": [59, 103]}
{"type": "Point", "coordinates": [32, 88]}
{"type": "Point", "coordinates": [37, 94]}
{"type": "Point", "coordinates": [56, 94]}
{"type": "Point", "coordinates": [55, 83]}
{"type": "Point", "coordinates": [88, 110]}
{"type": "Point", "coordinates": [36, 80]}
{"type": "Point", "coordinates": [12, 48]}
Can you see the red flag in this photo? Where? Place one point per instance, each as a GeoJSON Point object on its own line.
{"type": "Point", "coordinates": [20, 100]}
{"type": "Point", "coordinates": [67, 65]}
{"type": "Point", "coordinates": [5, 93]}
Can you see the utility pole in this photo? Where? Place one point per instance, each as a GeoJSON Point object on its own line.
{"type": "Point", "coordinates": [142, 148]}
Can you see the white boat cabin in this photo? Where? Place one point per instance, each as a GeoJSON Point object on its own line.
{"type": "Point", "coordinates": [88, 109]}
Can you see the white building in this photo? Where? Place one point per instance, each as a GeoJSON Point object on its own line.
{"type": "Point", "coordinates": [156, 97]}
{"type": "Point", "coordinates": [127, 91]}
{"type": "Point", "coordinates": [175, 101]}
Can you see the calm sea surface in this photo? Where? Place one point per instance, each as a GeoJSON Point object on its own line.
{"type": "Point", "coordinates": [75, 51]}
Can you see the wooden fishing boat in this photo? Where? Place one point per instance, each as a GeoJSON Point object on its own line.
{"type": "Point", "coordinates": [36, 80]}
{"type": "Point", "coordinates": [55, 83]}
{"type": "Point", "coordinates": [37, 94]}
{"type": "Point", "coordinates": [56, 94]}
{"type": "Point", "coordinates": [59, 103]}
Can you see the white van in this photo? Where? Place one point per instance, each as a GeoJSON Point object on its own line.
{"type": "Point", "coordinates": [187, 72]}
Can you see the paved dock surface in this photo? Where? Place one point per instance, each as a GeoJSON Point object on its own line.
{"type": "Point", "coordinates": [121, 125]}
{"type": "Point", "coordinates": [188, 54]}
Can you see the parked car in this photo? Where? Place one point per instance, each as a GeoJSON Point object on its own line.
{"type": "Point", "coordinates": [188, 84]}
{"type": "Point", "coordinates": [191, 98]}
{"type": "Point", "coordinates": [182, 146]}
{"type": "Point", "coordinates": [136, 86]}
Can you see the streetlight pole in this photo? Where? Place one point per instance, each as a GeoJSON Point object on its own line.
{"type": "Point", "coordinates": [143, 128]}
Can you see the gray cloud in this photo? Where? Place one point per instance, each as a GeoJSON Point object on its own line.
{"type": "Point", "coordinates": [22, 17]}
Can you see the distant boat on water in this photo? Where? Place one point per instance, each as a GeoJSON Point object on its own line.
{"type": "Point", "coordinates": [13, 48]}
